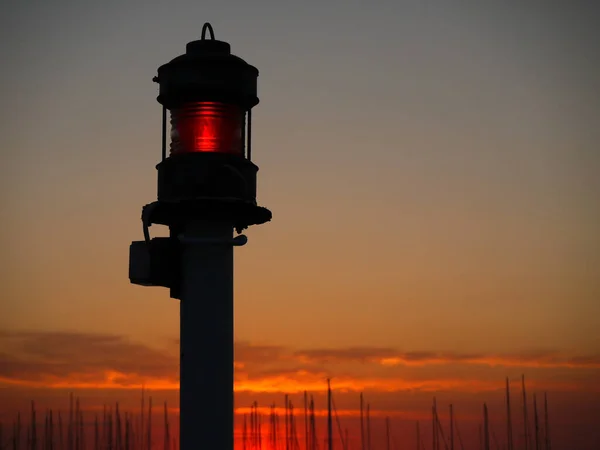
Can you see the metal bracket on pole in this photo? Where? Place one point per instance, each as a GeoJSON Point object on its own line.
{"type": "Point", "coordinates": [237, 241]}
{"type": "Point", "coordinates": [146, 223]}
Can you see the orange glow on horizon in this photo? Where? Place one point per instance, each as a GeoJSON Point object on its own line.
{"type": "Point", "coordinates": [491, 361]}
{"type": "Point", "coordinates": [286, 384]}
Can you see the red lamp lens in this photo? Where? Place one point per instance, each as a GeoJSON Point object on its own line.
{"type": "Point", "coordinates": [207, 127]}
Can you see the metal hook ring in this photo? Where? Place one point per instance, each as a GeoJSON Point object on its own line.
{"type": "Point", "coordinates": [207, 26]}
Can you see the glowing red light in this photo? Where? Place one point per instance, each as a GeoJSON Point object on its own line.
{"type": "Point", "coordinates": [207, 127]}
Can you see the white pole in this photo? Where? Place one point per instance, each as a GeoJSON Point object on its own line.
{"type": "Point", "coordinates": [206, 321]}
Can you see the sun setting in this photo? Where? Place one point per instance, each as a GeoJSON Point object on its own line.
{"type": "Point", "coordinates": [316, 225]}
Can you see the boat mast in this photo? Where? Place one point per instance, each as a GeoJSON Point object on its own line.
{"type": "Point", "coordinates": [536, 424]}
{"type": "Point", "coordinates": [546, 426]}
{"type": "Point", "coordinates": [329, 418]}
{"type": "Point", "coordinates": [509, 435]}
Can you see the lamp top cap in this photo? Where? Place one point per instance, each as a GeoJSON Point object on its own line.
{"type": "Point", "coordinates": [205, 46]}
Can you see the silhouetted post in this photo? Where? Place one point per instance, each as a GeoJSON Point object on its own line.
{"type": "Point", "coordinates": [149, 440]}
{"type": "Point", "coordinates": [45, 445]}
{"type": "Point", "coordinates": [434, 426]}
{"type": "Point", "coordinates": [128, 432]}
{"type": "Point", "coordinates": [509, 435]}
{"type": "Point", "coordinates": [244, 432]}
{"type": "Point", "coordinates": [104, 429]}
{"type": "Point", "coordinates": [313, 425]}
{"type": "Point", "coordinates": [451, 428]}
{"type": "Point", "coordinates": [486, 428]}
{"type": "Point", "coordinates": [259, 429]}
{"type": "Point", "coordinates": [368, 426]}
{"type": "Point", "coordinates": [77, 434]}
{"type": "Point", "coordinates": [362, 425]}
{"type": "Point", "coordinates": [142, 414]}
{"type": "Point", "coordinates": [109, 431]}
{"type": "Point", "coordinates": [118, 443]}
{"type": "Point", "coordinates": [525, 416]}
{"type": "Point", "coordinates": [81, 431]}
{"type": "Point", "coordinates": [51, 437]}
{"type": "Point", "coordinates": [18, 432]}
{"type": "Point", "coordinates": [206, 190]}
{"type": "Point", "coordinates": [536, 424]}
{"type": "Point", "coordinates": [70, 427]}
{"type": "Point", "coordinates": [305, 420]}
{"type": "Point", "coordinates": [546, 424]}
{"type": "Point", "coordinates": [329, 418]}
{"type": "Point", "coordinates": [60, 432]}
{"type": "Point", "coordinates": [33, 428]}
{"type": "Point", "coordinates": [167, 437]}
{"type": "Point", "coordinates": [277, 430]}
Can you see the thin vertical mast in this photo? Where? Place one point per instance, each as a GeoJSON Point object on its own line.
{"type": "Point", "coordinates": [33, 428]}
{"type": "Point", "coordinates": [109, 434]}
{"type": "Point", "coordinates": [536, 424]}
{"type": "Point", "coordinates": [142, 429]}
{"type": "Point", "coordinates": [81, 431]}
{"type": "Point", "coordinates": [259, 425]}
{"type": "Point", "coordinates": [313, 425]}
{"type": "Point", "coordinates": [18, 433]}
{"type": "Point", "coordinates": [272, 426]}
{"type": "Point", "coordinates": [292, 427]}
{"type": "Point", "coordinates": [362, 424]}
{"type": "Point", "coordinates": [418, 436]}
{"type": "Point", "coordinates": [305, 420]}
{"type": "Point", "coordinates": [255, 431]}
{"type": "Point", "coordinates": [434, 428]}
{"type": "Point", "coordinates": [329, 418]}
{"type": "Point", "coordinates": [104, 424]}
{"type": "Point", "coordinates": [276, 429]}
{"type": "Point", "coordinates": [287, 431]}
{"type": "Point", "coordinates": [509, 435]}
{"type": "Point", "coordinates": [128, 434]}
{"type": "Point", "coordinates": [546, 425]}
{"type": "Point", "coordinates": [77, 433]}
{"type": "Point", "coordinates": [486, 430]}
{"type": "Point", "coordinates": [60, 433]}
{"type": "Point", "coordinates": [45, 445]}
{"type": "Point", "coordinates": [70, 427]}
{"type": "Point", "coordinates": [149, 442]}
{"type": "Point", "coordinates": [451, 428]}
{"type": "Point", "coordinates": [252, 428]}
{"type": "Point", "coordinates": [525, 420]}
{"type": "Point", "coordinates": [244, 432]}
{"type": "Point", "coordinates": [368, 426]}
{"type": "Point", "coordinates": [118, 441]}
{"type": "Point", "coordinates": [167, 430]}
{"type": "Point", "coordinates": [51, 443]}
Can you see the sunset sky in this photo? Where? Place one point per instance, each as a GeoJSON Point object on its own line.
{"type": "Point", "coordinates": [433, 172]}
